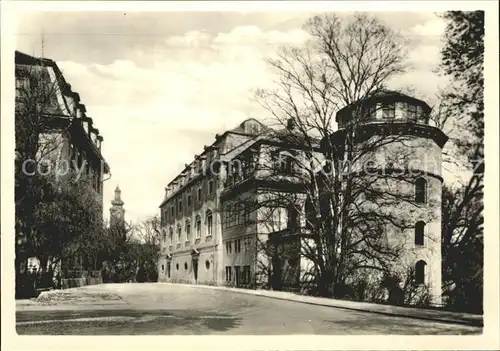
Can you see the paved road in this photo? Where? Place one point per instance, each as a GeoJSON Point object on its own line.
{"type": "Point", "coordinates": [161, 309]}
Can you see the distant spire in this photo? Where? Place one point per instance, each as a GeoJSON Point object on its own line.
{"type": "Point", "coordinates": [117, 201]}
{"type": "Point", "coordinates": [117, 212]}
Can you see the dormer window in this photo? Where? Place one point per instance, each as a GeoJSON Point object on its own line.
{"type": "Point", "coordinates": [86, 126]}
{"type": "Point", "coordinates": [389, 111]}
{"type": "Point", "coordinates": [411, 112]}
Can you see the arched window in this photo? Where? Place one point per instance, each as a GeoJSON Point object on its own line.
{"type": "Point", "coordinates": [420, 272]}
{"type": "Point", "coordinates": [419, 233]}
{"type": "Point", "coordinates": [179, 233]}
{"type": "Point", "coordinates": [209, 222]}
{"type": "Point", "coordinates": [171, 235]}
{"type": "Point", "coordinates": [421, 190]}
{"type": "Point", "coordinates": [164, 237]}
{"type": "Point", "coordinates": [198, 226]}
{"type": "Point", "coordinates": [188, 230]}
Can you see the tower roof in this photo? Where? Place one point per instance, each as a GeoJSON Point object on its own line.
{"type": "Point", "coordinates": [117, 201]}
{"type": "Point", "coordinates": [386, 96]}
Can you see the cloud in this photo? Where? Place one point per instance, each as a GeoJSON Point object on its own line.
{"type": "Point", "coordinates": [431, 28]}
{"type": "Point", "coordinates": [425, 55]}
{"type": "Point", "coordinates": [245, 35]}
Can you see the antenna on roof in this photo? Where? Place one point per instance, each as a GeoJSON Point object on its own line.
{"type": "Point", "coordinates": [43, 43]}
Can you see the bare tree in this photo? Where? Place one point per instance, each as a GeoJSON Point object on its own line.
{"type": "Point", "coordinates": [148, 233]}
{"type": "Point", "coordinates": [350, 200]}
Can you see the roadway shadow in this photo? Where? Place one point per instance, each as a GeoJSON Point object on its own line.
{"type": "Point", "coordinates": [124, 322]}
{"type": "Point", "coordinates": [386, 325]}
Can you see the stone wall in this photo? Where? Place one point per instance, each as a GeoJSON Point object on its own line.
{"type": "Point", "coordinates": [77, 282]}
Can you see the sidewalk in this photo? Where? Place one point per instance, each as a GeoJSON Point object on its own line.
{"type": "Point", "coordinates": [409, 312]}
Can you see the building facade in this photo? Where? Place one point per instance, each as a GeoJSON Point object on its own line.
{"type": "Point", "coordinates": [237, 215]}
{"type": "Point", "coordinates": [212, 228]}
{"type": "Point", "coordinates": [68, 140]}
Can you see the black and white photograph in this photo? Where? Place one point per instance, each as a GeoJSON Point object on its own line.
{"type": "Point", "coordinates": [251, 171]}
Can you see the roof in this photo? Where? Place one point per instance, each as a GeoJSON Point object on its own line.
{"type": "Point", "coordinates": [22, 59]}
{"type": "Point", "coordinates": [385, 95]}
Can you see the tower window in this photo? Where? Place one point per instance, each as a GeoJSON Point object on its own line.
{"type": "Point", "coordinates": [419, 233]}
{"type": "Point", "coordinates": [389, 111]}
{"type": "Point", "coordinates": [420, 272]}
{"type": "Point", "coordinates": [421, 190]}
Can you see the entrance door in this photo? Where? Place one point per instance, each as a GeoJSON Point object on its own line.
{"type": "Point", "coordinates": [237, 275]}
{"type": "Point", "coordinates": [195, 269]}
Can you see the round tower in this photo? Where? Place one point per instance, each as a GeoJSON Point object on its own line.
{"type": "Point", "coordinates": [396, 156]}
{"type": "Point", "coordinates": [117, 212]}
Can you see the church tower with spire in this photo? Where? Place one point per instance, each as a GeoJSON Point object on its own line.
{"type": "Point", "coordinates": [117, 212]}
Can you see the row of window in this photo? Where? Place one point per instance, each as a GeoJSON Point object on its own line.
{"type": "Point", "coordinates": [389, 111]}
{"type": "Point", "coordinates": [195, 169]}
{"type": "Point", "coordinates": [186, 266]}
{"type": "Point", "coordinates": [187, 229]}
{"type": "Point", "coordinates": [237, 214]}
{"type": "Point", "coordinates": [238, 274]}
{"type": "Point", "coordinates": [247, 242]}
{"type": "Point", "coordinates": [177, 208]}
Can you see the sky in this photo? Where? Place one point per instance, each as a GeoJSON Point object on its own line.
{"type": "Point", "coordinates": [159, 86]}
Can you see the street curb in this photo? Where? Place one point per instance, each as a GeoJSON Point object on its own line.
{"type": "Point", "coordinates": [413, 313]}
